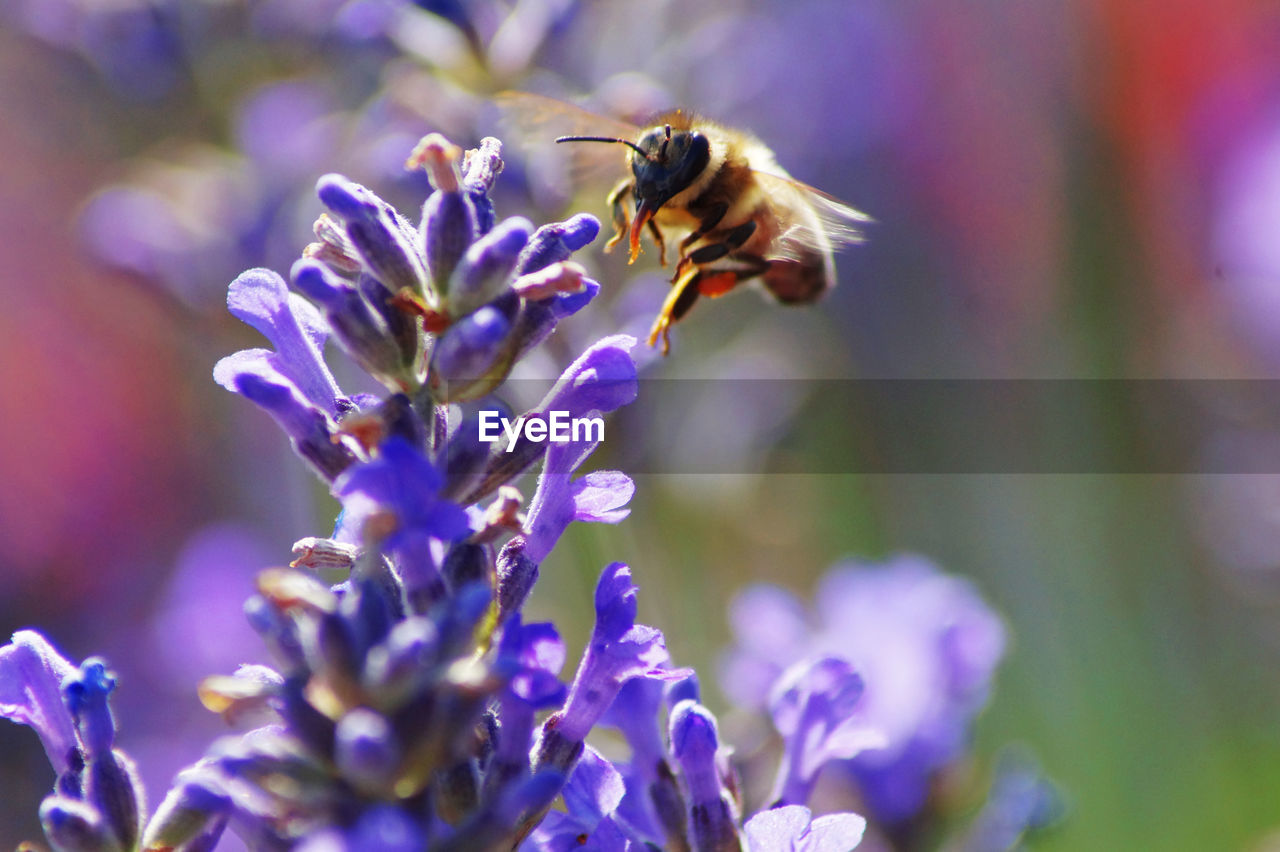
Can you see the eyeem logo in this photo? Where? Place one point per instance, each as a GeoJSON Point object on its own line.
{"type": "Point", "coordinates": [557, 427]}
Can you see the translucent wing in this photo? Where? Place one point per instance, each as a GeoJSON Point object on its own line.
{"type": "Point", "coordinates": [537, 121]}
{"type": "Point", "coordinates": [813, 220]}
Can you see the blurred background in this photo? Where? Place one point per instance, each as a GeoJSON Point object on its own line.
{"type": "Point", "coordinates": [1086, 191]}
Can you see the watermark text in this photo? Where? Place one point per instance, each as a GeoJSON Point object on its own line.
{"type": "Point", "coordinates": [558, 427]}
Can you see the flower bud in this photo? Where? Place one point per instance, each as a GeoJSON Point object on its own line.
{"type": "Point", "coordinates": [474, 355]}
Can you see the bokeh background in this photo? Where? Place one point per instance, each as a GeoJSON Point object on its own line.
{"type": "Point", "coordinates": [1086, 190]}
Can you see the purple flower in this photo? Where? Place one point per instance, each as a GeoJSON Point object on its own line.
{"type": "Point", "coordinates": [98, 798]}
{"type": "Point", "coordinates": [815, 708]}
{"type": "Point", "coordinates": [31, 677]}
{"type": "Point", "coordinates": [260, 298]}
{"type": "Point", "coordinates": [474, 354]}
{"type": "Point", "coordinates": [925, 644]}
{"type": "Point", "coordinates": [602, 379]}
{"type": "Point", "coordinates": [1021, 801]}
{"type": "Point", "coordinates": [534, 654]}
{"type": "Point", "coordinates": [591, 796]}
{"type": "Point", "coordinates": [619, 650]}
{"type": "Point", "coordinates": [559, 500]}
{"type": "Point", "coordinates": [484, 270]}
{"type": "Point", "coordinates": [85, 693]}
{"type": "Point", "coordinates": [654, 803]}
{"type": "Point", "coordinates": [792, 828]}
{"type": "Point", "coordinates": [384, 240]}
{"type": "Point", "coordinates": [392, 502]}
{"type": "Point", "coordinates": [695, 746]}
{"type": "Point", "coordinates": [400, 481]}
{"type": "Point", "coordinates": [386, 353]}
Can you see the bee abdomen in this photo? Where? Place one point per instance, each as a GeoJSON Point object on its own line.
{"type": "Point", "coordinates": [797, 281]}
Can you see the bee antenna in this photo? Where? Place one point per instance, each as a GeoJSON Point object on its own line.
{"type": "Point", "coordinates": [626, 142]}
{"type": "Point", "coordinates": [662, 152]}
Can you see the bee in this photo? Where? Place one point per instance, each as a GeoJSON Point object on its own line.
{"type": "Point", "coordinates": [737, 214]}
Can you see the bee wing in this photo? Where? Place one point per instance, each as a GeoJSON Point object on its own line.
{"type": "Point", "coordinates": [813, 220]}
{"type": "Point", "coordinates": [536, 120]}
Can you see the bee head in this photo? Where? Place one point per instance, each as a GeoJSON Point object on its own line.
{"type": "Point", "coordinates": [665, 163]}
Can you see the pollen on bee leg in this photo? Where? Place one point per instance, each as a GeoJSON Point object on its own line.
{"type": "Point", "coordinates": [661, 327]}
{"type": "Point", "coordinates": [667, 316]}
{"type": "Point", "coordinates": [715, 284]}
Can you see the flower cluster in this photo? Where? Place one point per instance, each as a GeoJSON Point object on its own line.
{"type": "Point", "coordinates": [410, 706]}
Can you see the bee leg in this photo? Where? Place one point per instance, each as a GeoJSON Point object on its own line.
{"type": "Point", "coordinates": [716, 282]}
{"type": "Point", "coordinates": [733, 240]}
{"type": "Point", "coordinates": [684, 292]}
{"type": "Point", "coordinates": [692, 281]}
{"type": "Point", "coordinates": [708, 222]}
{"type": "Point", "coordinates": [621, 223]}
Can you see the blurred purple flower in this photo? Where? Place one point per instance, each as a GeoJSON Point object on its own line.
{"type": "Point", "coordinates": [1021, 801]}
{"type": "Point", "coordinates": [1243, 248]}
{"type": "Point", "coordinates": [189, 218]}
{"type": "Point", "coordinates": [136, 44]}
{"type": "Point", "coordinates": [815, 707]}
{"type": "Point", "coordinates": [925, 644]}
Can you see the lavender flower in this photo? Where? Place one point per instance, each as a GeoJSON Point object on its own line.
{"type": "Point", "coordinates": [403, 709]}
{"type": "Point", "coordinates": [383, 687]}
{"type": "Point", "coordinates": [924, 646]}
{"type": "Point", "coordinates": [591, 795]}
{"type": "Point", "coordinates": [794, 828]}
{"type": "Point", "coordinates": [97, 803]}
{"type": "Point", "coordinates": [31, 676]}
{"type": "Point", "coordinates": [815, 707]}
